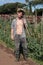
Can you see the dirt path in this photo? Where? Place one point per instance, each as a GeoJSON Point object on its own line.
{"type": "Point", "coordinates": [7, 58]}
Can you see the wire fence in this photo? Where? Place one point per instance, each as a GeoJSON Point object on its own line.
{"type": "Point", "coordinates": [35, 27]}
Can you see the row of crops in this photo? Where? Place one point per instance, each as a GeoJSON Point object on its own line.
{"type": "Point", "coordinates": [5, 32]}
{"type": "Point", "coordinates": [34, 40]}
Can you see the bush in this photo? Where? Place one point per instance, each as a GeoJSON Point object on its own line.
{"type": "Point", "coordinates": [35, 41]}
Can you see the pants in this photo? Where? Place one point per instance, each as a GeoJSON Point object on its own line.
{"type": "Point", "coordinates": [20, 46]}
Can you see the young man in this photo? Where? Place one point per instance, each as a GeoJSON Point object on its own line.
{"type": "Point", "coordinates": [18, 34]}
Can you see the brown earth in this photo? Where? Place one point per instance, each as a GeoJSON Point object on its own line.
{"type": "Point", "coordinates": [7, 58]}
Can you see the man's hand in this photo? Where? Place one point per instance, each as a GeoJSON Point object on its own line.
{"type": "Point", "coordinates": [12, 37]}
{"type": "Point", "coordinates": [12, 34]}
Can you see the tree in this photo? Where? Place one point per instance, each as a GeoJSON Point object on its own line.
{"type": "Point", "coordinates": [10, 8]}
{"type": "Point", "coordinates": [31, 3]}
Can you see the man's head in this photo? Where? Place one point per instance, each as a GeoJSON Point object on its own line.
{"type": "Point", "coordinates": [20, 12]}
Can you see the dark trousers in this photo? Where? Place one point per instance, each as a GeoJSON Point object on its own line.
{"type": "Point", "coordinates": [20, 46]}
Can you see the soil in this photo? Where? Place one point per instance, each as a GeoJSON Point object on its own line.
{"type": "Point", "coordinates": [7, 58]}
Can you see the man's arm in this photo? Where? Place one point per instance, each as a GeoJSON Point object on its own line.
{"type": "Point", "coordinates": [12, 34]}
{"type": "Point", "coordinates": [12, 30]}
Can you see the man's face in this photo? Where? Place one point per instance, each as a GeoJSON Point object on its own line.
{"type": "Point", "coordinates": [19, 14]}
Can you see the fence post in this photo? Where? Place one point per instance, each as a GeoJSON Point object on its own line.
{"type": "Point", "coordinates": [10, 18]}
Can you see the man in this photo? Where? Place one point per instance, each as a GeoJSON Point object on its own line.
{"type": "Point", "coordinates": [18, 27]}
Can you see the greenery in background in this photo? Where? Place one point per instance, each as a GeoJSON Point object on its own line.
{"type": "Point", "coordinates": [34, 40]}
{"type": "Point", "coordinates": [33, 3]}
{"type": "Point", "coordinates": [11, 8]}
{"type": "Point", "coordinates": [5, 33]}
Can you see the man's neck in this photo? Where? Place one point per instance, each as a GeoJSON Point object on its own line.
{"type": "Point", "coordinates": [20, 18]}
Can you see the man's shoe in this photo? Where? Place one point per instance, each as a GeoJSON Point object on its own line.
{"type": "Point", "coordinates": [25, 58]}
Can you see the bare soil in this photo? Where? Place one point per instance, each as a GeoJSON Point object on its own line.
{"type": "Point", "coordinates": [7, 58]}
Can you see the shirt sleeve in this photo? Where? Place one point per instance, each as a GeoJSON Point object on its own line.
{"type": "Point", "coordinates": [12, 24]}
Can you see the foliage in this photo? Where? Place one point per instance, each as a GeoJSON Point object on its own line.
{"type": "Point", "coordinates": [5, 33]}
{"type": "Point", "coordinates": [34, 40]}
{"type": "Point", "coordinates": [10, 8]}
{"type": "Point", "coordinates": [33, 3]}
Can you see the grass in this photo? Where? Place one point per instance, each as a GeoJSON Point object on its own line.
{"type": "Point", "coordinates": [38, 61]}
